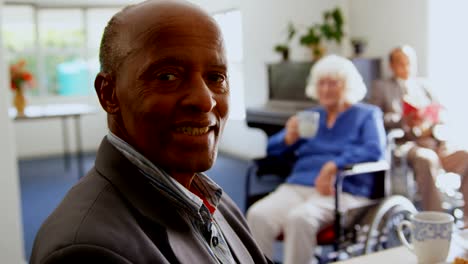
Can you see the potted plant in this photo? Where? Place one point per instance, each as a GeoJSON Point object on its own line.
{"type": "Point", "coordinates": [313, 40]}
{"type": "Point", "coordinates": [331, 30]}
{"type": "Point", "coordinates": [283, 48]}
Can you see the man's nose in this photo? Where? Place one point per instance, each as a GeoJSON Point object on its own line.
{"type": "Point", "coordinates": [199, 96]}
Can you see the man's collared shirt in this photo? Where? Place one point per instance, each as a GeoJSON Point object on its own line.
{"type": "Point", "coordinates": [199, 210]}
{"type": "Point", "coordinates": [414, 92]}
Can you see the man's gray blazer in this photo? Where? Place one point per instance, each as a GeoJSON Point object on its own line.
{"type": "Point", "coordinates": [388, 95]}
{"type": "Point", "coordinates": [114, 216]}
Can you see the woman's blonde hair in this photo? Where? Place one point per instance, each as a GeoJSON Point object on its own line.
{"type": "Point", "coordinates": [334, 65]}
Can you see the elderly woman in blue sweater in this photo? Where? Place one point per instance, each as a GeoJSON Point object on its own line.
{"type": "Point", "coordinates": [349, 132]}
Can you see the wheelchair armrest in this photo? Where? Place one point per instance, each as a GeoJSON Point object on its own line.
{"type": "Point", "coordinates": [395, 133]}
{"type": "Point", "coordinates": [364, 167]}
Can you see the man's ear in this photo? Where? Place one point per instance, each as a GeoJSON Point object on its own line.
{"type": "Point", "coordinates": [106, 92]}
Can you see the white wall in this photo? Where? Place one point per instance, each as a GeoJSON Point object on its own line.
{"type": "Point", "coordinates": [387, 24]}
{"type": "Point", "coordinates": [448, 61]}
{"type": "Point", "coordinates": [216, 6]}
{"type": "Point", "coordinates": [11, 238]}
{"type": "Point", "coordinates": [264, 26]}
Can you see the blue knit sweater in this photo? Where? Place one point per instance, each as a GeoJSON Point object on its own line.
{"type": "Point", "coordinates": [357, 136]}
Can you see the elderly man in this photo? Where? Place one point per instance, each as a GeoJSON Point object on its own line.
{"type": "Point", "coordinates": [163, 84]}
{"type": "Point", "coordinates": [425, 152]}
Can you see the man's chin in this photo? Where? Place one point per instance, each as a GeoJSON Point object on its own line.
{"type": "Point", "coordinates": [196, 162]}
{"type": "Point", "coordinates": [200, 165]}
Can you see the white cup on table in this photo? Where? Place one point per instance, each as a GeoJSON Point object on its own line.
{"type": "Point", "coordinates": [431, 233]}
{"type": "Point", "coordinates": [308, 123]}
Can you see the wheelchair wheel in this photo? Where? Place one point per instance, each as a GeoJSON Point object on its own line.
{"type": "Point", "coordinates": [384, 220]}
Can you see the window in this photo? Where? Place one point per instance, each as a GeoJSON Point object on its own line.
{"type": "Point", "coordinates": [231, 26]}
{"type": "Point", "coordinates": [60, 45]}
{"type": "Point", "coordinates": [97, 19]}
{"type": "Point", "coordinates": [18, 29]}
{"type": "Point", "coordinates": [19, 36]}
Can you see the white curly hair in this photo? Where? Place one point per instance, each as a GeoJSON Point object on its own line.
{"type": "Point", "coordinates": [337, 66]}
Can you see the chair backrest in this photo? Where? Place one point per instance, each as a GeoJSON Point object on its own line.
{"type": "Point", "coordinates": [392, 136]}
{"type": "Point", "coordinates": [279, 165]}
{"type": "Point", "coordinates": [380, 185]}
{"type": "Point", "coordinates": [383, 181]}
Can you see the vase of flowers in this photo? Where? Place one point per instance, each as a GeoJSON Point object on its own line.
{"type": "Point", "coordinates": [19, 102]}
{"type": "Point", "coordinates": [21, 79]}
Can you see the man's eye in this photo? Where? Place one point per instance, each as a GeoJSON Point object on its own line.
{"type": "Point", "coordinates": [216, 78]}
{"type": "Point", "coordinates": [166, 77]}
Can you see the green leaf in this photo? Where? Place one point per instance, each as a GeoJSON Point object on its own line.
{"type": "Point", "coordinates": [331, 28]}
{"type": "Point", "coordinates": [291, 31]}
{"type": "Point", "coordinates": [338, 17]}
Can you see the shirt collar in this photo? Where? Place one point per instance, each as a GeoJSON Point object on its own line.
{"type": "Point", "coordinates": [206, 188]}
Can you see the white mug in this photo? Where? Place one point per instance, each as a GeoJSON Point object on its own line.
{"type": "Point", "coordinates": [431, 233]}
{"type": "Point", "coordinates": [308, 122]}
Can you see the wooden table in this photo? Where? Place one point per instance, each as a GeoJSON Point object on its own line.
{"type": "Point", "coordinates": [63, 112]}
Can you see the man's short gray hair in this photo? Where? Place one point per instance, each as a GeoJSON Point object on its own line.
{"type": "Point", "coordinates": [410, 53]}
{"type": "Point", "coordinates": [337, 66]}
{"type": "Point", "coordinates": [112, 52]}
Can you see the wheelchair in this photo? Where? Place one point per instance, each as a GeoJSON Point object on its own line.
{"type": "Point", "coordinates": [362, 230]}
{"type": "Point", "coordinates": [404, 183]}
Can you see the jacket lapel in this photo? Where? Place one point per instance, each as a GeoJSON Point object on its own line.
{"type": "Point", "coordinates": [237, 247]}
{"type": "Point", "coordinates": [128, 180]}
{"type": "Point", "coordinates": [188, 252]}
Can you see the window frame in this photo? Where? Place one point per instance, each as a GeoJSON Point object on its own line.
{"type": "Point", "coordinates": [235, 64]}
{"type": "Point", "coordinates": [87, 52]}
{"type": "Point", "coordinates": [42, 51]}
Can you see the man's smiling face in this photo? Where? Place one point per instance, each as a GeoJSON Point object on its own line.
{"type": "Point", "coordinates": [172, 88]}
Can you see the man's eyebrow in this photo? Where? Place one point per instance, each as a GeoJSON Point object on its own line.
{"type": "Point", "coordinates": [219, 66]}
{"type": "Point", "coordinates": [177, 62]}
{"type": "Point", "coordinates": [168, 61]}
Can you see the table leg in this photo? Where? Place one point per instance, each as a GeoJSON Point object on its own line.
{"type": "Point", "coordinates": [66, 144]}
{"type": "Point", "coordinates": [79, 147]}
